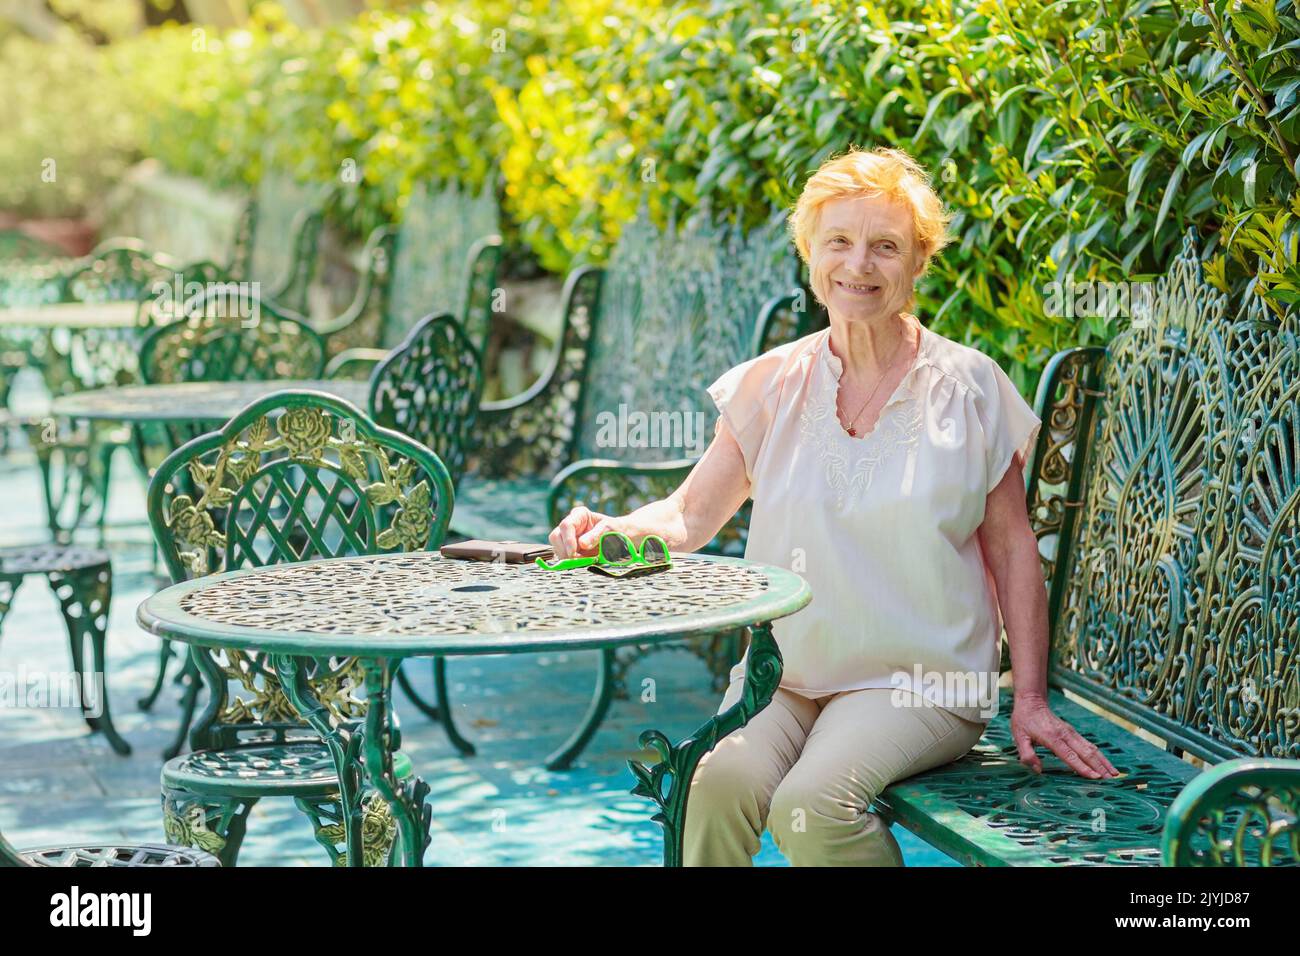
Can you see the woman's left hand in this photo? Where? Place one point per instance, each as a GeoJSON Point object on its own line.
{"type": "Point", "coordinates": [1032, 722]}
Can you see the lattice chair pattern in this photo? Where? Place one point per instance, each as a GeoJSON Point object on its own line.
{"type": "Point", "coordinates": [429, 388]}
{"type": "Point", "coordinates": [1164, 492]}
{"type": "Point", "coordinates": [295, 476]}
{"type": "Point", "coordinates": [225, 335]}
{"type": "Point", "coordinates": [442, 258]}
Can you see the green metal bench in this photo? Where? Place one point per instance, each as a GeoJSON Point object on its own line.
{"type": "Point", "coordinates": [277, 239]}
{"type": "Point", "coordinates": [674, 308]}
{"type": "Point", "coordinates": [1165, 495]}
{"type": "Point", "coordinates": [442, 258]}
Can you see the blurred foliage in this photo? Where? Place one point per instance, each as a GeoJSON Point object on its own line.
{"type": "Point", "coordinates": [1071, 139]}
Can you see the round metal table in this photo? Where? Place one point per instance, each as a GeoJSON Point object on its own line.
{"type": "Point", "coordinates": [383, 608]}
{"type": "Point", "coordinates": [208, 402]}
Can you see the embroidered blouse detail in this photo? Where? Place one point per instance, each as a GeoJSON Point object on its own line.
{"type": "Point", "coordinates": [849, 462]}
{"type": "Point", "coordinates": [883, 526]}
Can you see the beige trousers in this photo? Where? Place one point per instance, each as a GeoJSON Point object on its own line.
{"type": "Point", "coordinates": [809, 770]}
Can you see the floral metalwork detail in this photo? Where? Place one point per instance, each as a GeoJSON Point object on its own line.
{"type": "Point", "coordinates": [227, 336]}
{"type": "Point", "coordinates": [265, 471]}
{"type": "Point", "coordinates": [1181, 594]}
{"type": "Point", "coordinates": [298, 476]}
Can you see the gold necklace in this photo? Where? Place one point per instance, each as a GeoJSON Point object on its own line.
{"type": "Point", "coordinates": [883, 375]}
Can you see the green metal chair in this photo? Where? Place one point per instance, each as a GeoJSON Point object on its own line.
{"type": "Point", "coordinates": [75, 462]}
{"type": "Point", "coordinates": [220, 339]}
{"type": "Point", "coordinates": [295, 476]}
{"type": "Point", "coordinates": [429, 389]}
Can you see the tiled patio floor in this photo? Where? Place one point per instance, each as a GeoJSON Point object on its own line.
{"type": "Point", "coordinates": [58, 784]}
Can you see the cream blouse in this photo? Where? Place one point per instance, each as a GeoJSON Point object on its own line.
{"type": "Point", "coordinates": [882, 527]}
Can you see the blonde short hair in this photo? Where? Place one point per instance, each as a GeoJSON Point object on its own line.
{"type": "Point", "coordinates": [881, 171]}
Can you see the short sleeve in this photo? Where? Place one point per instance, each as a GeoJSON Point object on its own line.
{"type": "Point", "coordinates": [1008, 422]}
{"type": "Point", "coordinates": [746, 397]}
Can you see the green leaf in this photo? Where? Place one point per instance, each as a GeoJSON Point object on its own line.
{"type": "Point", "coordinates": [1042, 126]}
{"type": "Point", "coordinates": [1171, 189]}
{"type": "Point", "coordinates": [381, 494]}
{"type": "Point", "coordinates": [935, 103]}
{"type": "Point", "coordinates": [1136, 174]}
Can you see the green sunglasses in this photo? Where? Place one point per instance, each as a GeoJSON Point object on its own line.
{"type": "Point", "coordinates": [617, 557]}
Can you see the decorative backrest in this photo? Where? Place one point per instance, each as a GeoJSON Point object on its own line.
{"type": "Point", "coordinates": [678, 307]}
{"type": "Point", "coordinates": [120, 271]}
{"type": "Point", "coordinates": [228, 335]}
{"type": "Point", "coordinates": [98, 356]}
{"type": "Point", "coordinates": [294, 476]}
{"type": "Point", "coordinates": [445, 260]}
{"type": "Point", "coordinates": [429, 389]}
{"type": "Point", "coordinates": [1177, 599]}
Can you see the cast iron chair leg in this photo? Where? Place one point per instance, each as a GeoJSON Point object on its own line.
{"type": "Point", "coordinates": [189, 700]}
{"type": "Point", "coordinates": [164, 658]}
{"type": "Point", "coordinates": [84, 597]}
{"type": "Point", "coordinates": [563, 758]}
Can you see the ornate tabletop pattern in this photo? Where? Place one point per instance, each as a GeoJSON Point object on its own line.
{"type": "Point", "coordinates": [423, 594]}
{"type": "Point", "coordinates": [189, 401]}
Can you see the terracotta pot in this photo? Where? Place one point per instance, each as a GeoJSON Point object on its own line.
{"type": "Point", "coordinates": [75, 236]}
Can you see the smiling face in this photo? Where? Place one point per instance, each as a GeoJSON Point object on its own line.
{"type": "Point", "coordinates": [864, 258]}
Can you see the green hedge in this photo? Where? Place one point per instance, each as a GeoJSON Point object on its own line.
{"type": "Point", "coordinates": [1070, 139]}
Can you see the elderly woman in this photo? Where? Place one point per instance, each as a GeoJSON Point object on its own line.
{"type": "Point", "coordinates": [885, 462]}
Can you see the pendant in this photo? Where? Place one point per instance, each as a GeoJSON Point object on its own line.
{"type": "Point", "coordinates": [852, 432]}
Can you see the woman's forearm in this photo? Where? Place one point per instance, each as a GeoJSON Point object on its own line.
{"type": "Point", "coordinates": [1023, 600]}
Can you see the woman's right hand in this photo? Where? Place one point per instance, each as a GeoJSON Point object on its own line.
{"type": "Point", "coordinates": [578, 535]}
